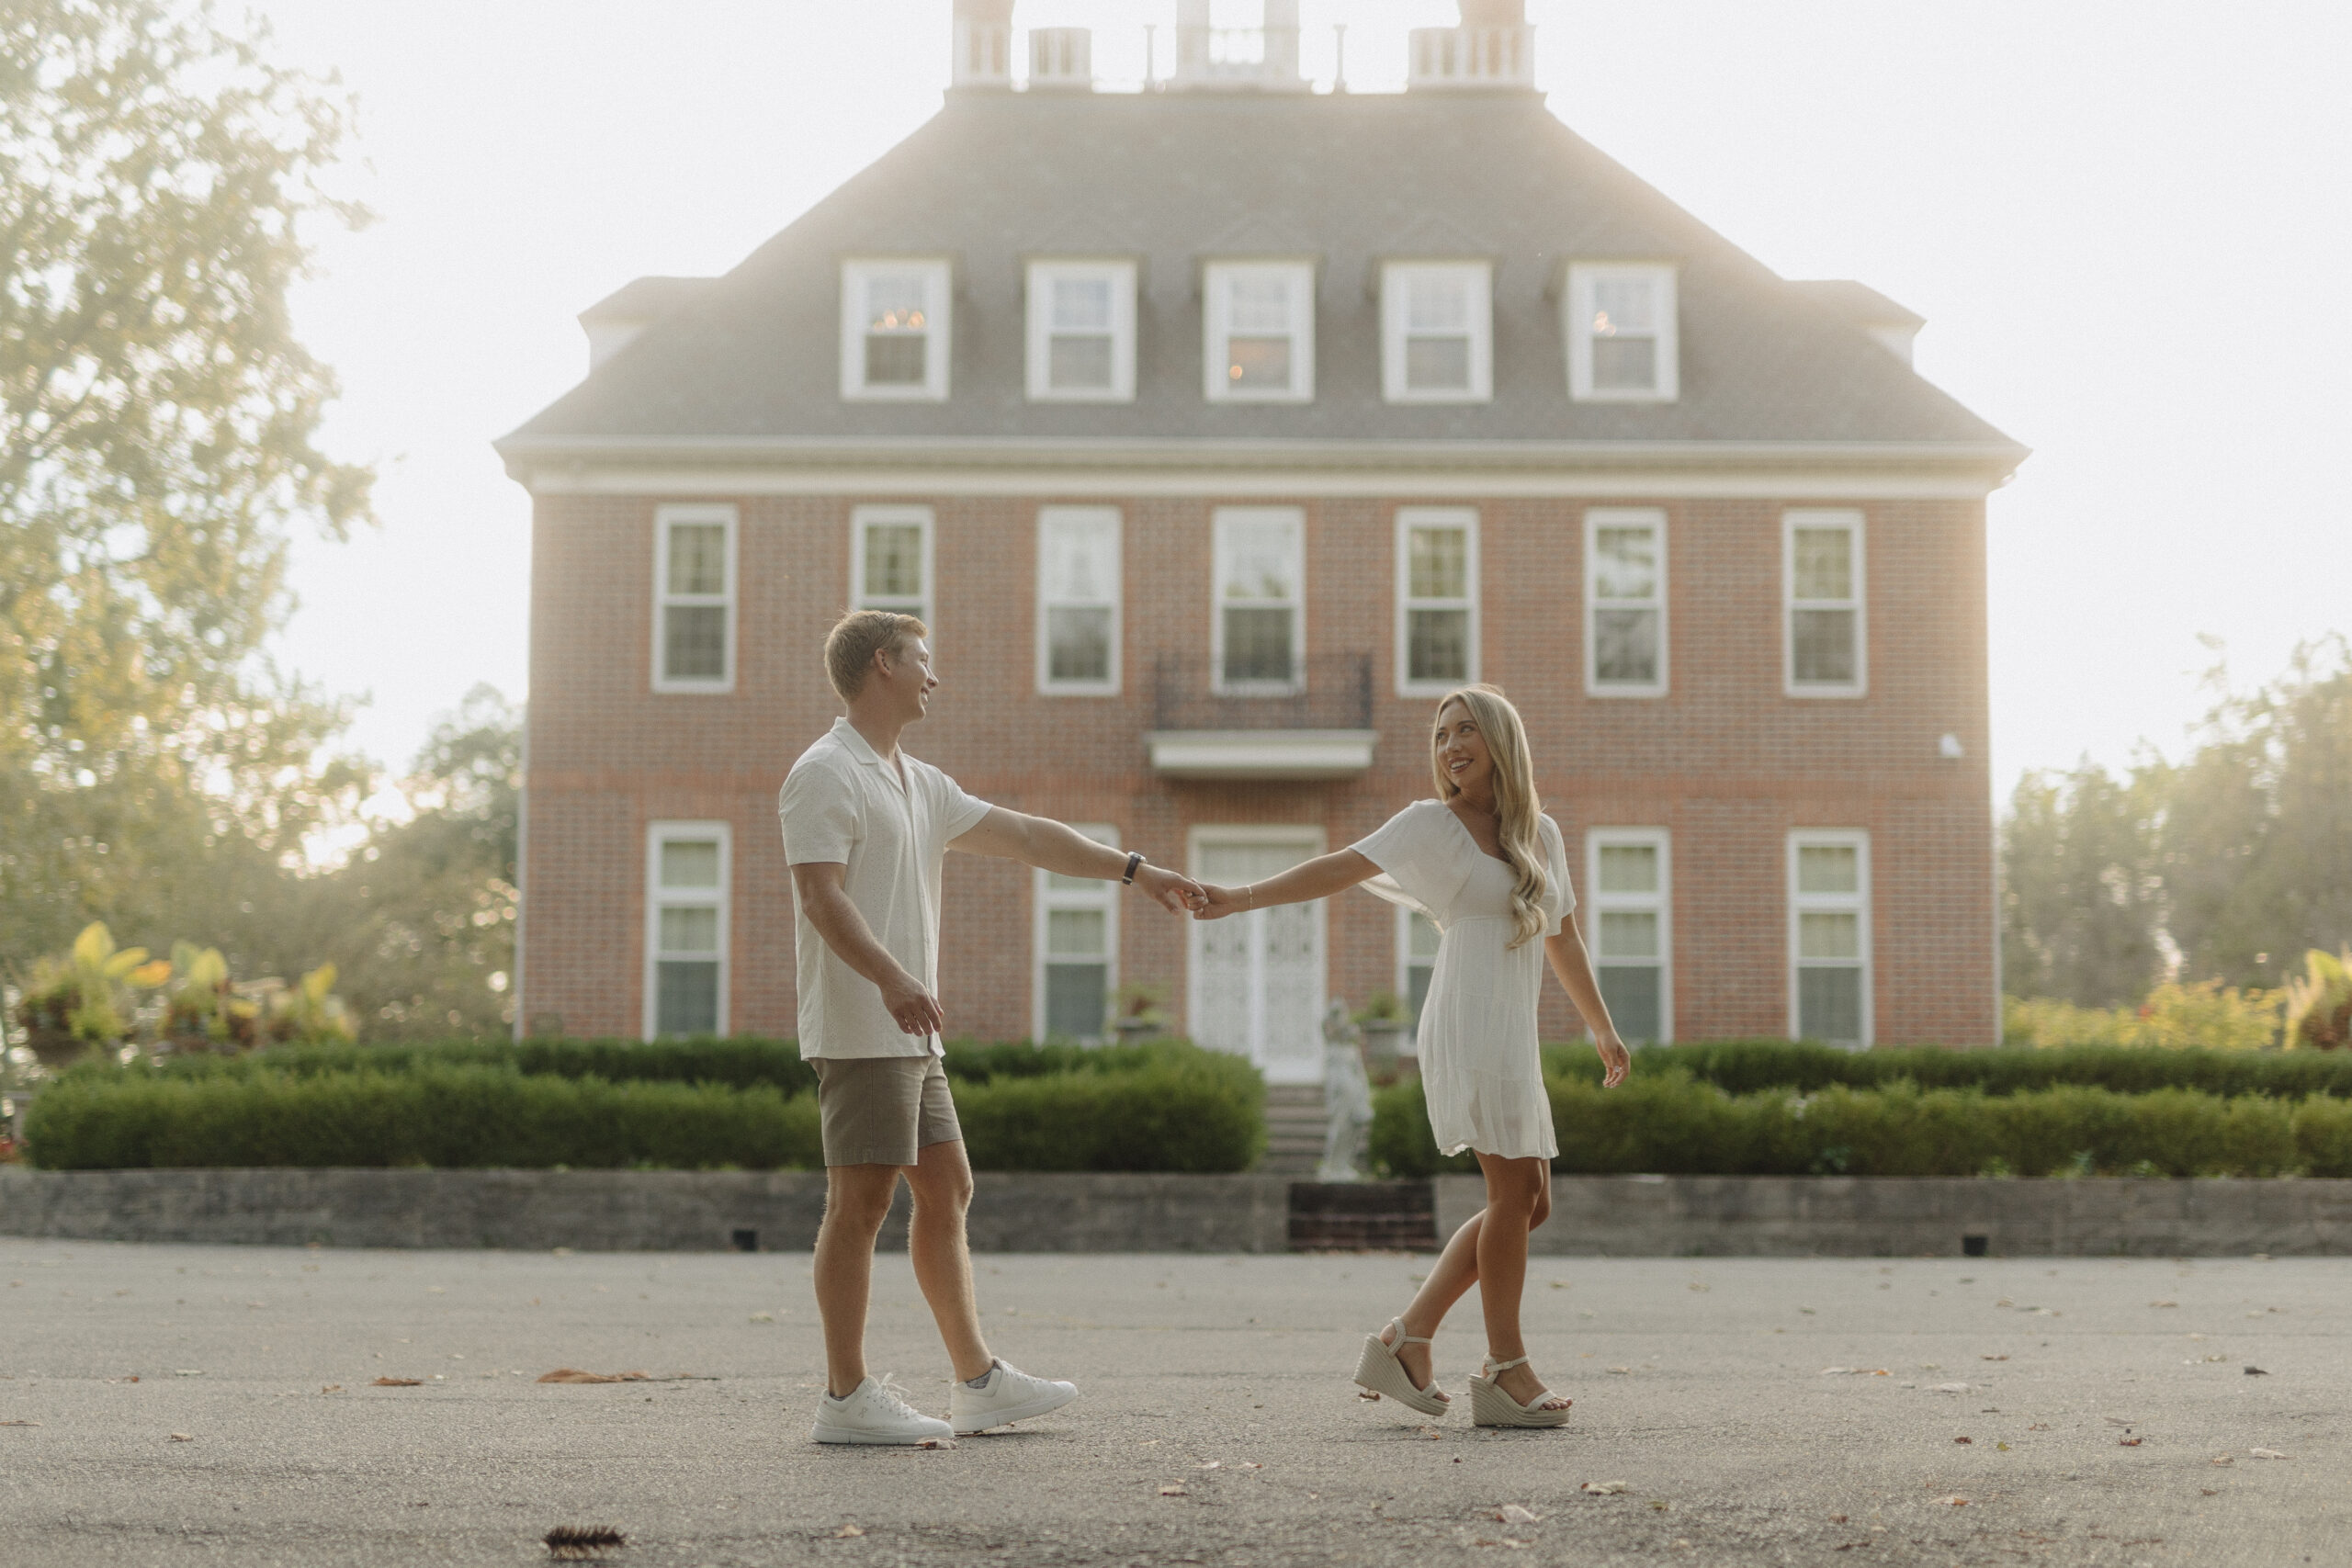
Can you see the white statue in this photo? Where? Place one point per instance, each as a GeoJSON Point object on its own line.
{"type": "Point", "coordinates": [1347, 1096]}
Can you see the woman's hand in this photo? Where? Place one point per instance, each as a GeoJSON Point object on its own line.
{"type": "Point", "coordinates": [1614, 1058]}
{"type": "Point", "coordinates": [1219, 902]}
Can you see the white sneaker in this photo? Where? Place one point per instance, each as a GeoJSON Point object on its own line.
{"type": "Point", "coordinates": [1008, 1395]}
{"type": "Point", "coordinates": [877, 1412]}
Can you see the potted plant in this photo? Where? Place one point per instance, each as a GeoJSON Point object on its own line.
{"type": "Point", "coordinates": [1387, 1033]}
{"type": "Point", "coordinates": [2319, 1003]}
{"type": "Point", "coordinates": [202, 1010]}
{"type": "Point", "coordinates": [1141, 1012]}
{"type": "Point", "coordinates": [83, 1000]}
{"type": "Point", "coordinates": [305, 1013]}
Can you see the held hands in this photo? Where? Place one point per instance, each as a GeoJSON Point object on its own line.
{"type": "Point", "coordinates": [1219, 902]}
{"type": "Point", "coordinates": [916, 1009]}
{"type": "Point", "coordinates": [1177, 895]}
{"type": "Point", "coordinates": [1614, 1058]}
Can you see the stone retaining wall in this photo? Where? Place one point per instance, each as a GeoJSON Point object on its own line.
{"type": "Point", "coordinates": [777, 1211]}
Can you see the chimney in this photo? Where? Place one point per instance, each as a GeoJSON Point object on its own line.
{"type": "Point", "coordinates": [1493, 47]}
{"type": "Point", "coordinates": [983, 44]}
{"type": "Point", "coordinates": [1061, 59]}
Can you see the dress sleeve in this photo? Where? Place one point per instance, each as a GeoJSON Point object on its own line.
{"type": "Point", "coordinates": [818, 812]}
{"type": "Point", "coordinates": [1559, 894]}
{"type": "Point", "coordinates": [1410, 863]}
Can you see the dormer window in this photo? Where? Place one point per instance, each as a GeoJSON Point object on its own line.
{"type": "Point", "coordinates": [1621, 331]}
{"type": "Point", "coordinates": [1261, 333]}
{"type": "Point", "coordinates": [894, 330]}
{"type": "Point", "coordinates": [1082, 331]}
{"type": "Point", "coordinates": [1437, 332]}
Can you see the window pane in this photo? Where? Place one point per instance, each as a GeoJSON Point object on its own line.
{"type": "Point", "coordinates": [894, 560]}
{"type": "Point", "coordinates": [1260, 305]}
{"type": "Point", "coordinates": [1628, 868]}
{"type": "Point", "coordinates": [1624, 563]}
{"type": "Point", "coordinates": [1437, 303]}
{"type": "Point", "coordinates": [1628, 933]}
{"type": "Point", "coordinates": [1260, 560]}
{"type": "Point", "coordinates": [1625, 364]}
{"type": "Point", "coordinates": [1438, 646]}
{"type": "Point", "coordinates": [1257, 362]}
{"type": "Point", "coordinates": [1624, 647]}
{"type": "Point", "coordinates": [1828, 868]}
{"type": "Point", "coordinates": [1080, 559]}
{"type": "Point", "coordinates": [689, 863]}
{"type": "Point", "coordinates": [694, 642]}
{"type": "Point", "coordinates": [1423, 939]}
{"type": "Point", "coordinates": [697, 558]}
{"type": "Point", "coordinates": [1823, 646]}
{"type": "Point", "coordinates": [1437, 364]}
{"type": "Point", "coordinates": [1439, 564]}
{"type": "Point", "coordinates": [1825, 562]}
{"type": "Point", "coordinates": [1829, 1005]}
{"type": "Point", "coordinates": [894, 303]}
{"type": "Point", "coordinates": [1078, 362]}
{"type": "Point", "coordinates": [1257, 645]}
{"type": "Point", "coordinates": [1633, 994]}
{"type": "Point", "coordinates": [1078, 644]}
{"type": "Point", "coordinates": [685, 997]}
{"type": "Point", "coordinates": [1829, 935]}
{"type": "Point", "coordinates": [690, 929]}
{"type": "Point", "coordinates": [1081, 305]}
{"type": "Point", "coordinates": [1075, 933]}
{"type": "Point", "coordinates": [895, 361]}
{"type": "Point", "coordinates": [1074, 999]}
{"type": "Point", "coordinates": [1625, 306]}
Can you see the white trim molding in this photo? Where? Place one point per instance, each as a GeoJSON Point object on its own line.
{"type": "Point", "coordinates": [697, 599]}
{"type": "Point", "coordinates": [1263, 304]}
{"type": "Point", "coordinates": [894, 309]}
{"type": "Point", "coordinates": [1622, 602]}
{"type": "Point", "coordinates": [1830, 588]}
{"type": "Point", "coordinates": [1260, 753]}
{"type": "Point", "coordinates": [1619, 317]}
{"type": "Point", "coordinates": [695, 893]}
{"type": "Point", "coordinates": [1413, 519]}
{"type": "Point", "coordinates": [1078, 571]}
{"type": "Point", "coordinates": [1278, 555]}
{"type": "Point", "coordinates": [1655, 902]}
{"type": "Point", "coordinates": [891, 595]}
{"type": "Point", "coordinates": [1437, 332]}
{"type": "Point", "coordinates": [1081, 332]}
{"type": "Point", "coordinates": [1837, 936]}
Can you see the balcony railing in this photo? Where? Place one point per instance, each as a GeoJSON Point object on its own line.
{"type": "Point", "coordinates": [1472, 57]}
{"type": "Point", "coordinates": [1333, 692]}
{"type": "Point", "coordinates": [1237, 57]}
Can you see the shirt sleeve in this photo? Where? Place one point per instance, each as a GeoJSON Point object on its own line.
{"type": "Point", "coordinates": [818, 814]}
{"type": "Point", "coordinates": [1401, 847]}
{"type": "Point", "coordinates": [958, 813]}
{"type": "Point", "coordinates": [1559, 894]}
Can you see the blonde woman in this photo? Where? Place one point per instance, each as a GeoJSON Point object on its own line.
{"type": "Point", "coordinates": [1490, 869]}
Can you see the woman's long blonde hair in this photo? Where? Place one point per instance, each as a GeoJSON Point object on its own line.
{"type": "Point", "coordinates": [1517, 809]}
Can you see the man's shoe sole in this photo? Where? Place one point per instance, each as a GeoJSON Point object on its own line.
{"type": "Point", "coordinates": [1028, 1412]}
{"type": "Point", "coordinates": [877, 1440]}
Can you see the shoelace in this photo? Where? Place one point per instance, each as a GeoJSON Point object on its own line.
{"type": "Point", "coordinates": [891, 1392]}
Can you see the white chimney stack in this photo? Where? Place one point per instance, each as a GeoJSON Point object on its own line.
{"type": "Point", "coordinates": [983, 43]}
{"type": "Point", "coordinates": [1061, 58]}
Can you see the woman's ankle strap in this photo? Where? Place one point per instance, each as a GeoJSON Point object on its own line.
{"type": "Point", "coordinates": [1494, 1366]}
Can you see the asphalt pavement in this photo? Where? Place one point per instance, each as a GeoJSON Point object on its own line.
{"type": "Point", "coordinates": [187, 1405]}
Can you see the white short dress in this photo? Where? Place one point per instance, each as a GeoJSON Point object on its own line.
{"type": "Point", "coordinates": [1480, 1068]}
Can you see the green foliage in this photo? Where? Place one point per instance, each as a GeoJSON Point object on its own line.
{"type": "Point", "coordinates": [1748, 1067]}
{"type": "Point", "coordinates": [2174, 1017]}
{"type": "Point", "coordinates": [2319, 1003]}
{"type": "Point", "coordinates": [82, 998]}
{"type": "Point", "coordinates": [1672, 1123]}
{"type": "Point", "coordinates": [2080, 904]}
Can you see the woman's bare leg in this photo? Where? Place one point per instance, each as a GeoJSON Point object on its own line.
{"type": "Point", "coordinates": [1519, 1198]}
{"type": "Point", "coordinates": [1455, 1272]}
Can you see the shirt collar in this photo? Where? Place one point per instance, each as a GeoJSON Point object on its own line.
{"type": "Point", "coordinates": [846, 733]}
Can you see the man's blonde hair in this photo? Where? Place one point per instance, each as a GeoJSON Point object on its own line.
{"type": "Point", "coordinates": [856, 637]}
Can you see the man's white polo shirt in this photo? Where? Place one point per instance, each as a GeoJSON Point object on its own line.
{"type": "Point", "coordinates": [844, 804]}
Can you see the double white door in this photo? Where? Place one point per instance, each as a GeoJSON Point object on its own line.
{"type": "Point", "coordinates": [1257, 977]}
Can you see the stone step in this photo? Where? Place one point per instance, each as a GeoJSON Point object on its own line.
{"type": "Point", "coordinates": [1294, 1130]}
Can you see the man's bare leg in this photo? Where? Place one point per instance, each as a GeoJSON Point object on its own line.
{"type": "Point", "coordinates": [941, 1180]}
{"type": "Point", "coordinates": [857, 1199]}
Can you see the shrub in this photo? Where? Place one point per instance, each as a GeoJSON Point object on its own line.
{"type": "Point", "coordinates": [2207, 1014]}
{"type": "Point", "coordinates": [1748, 1067]}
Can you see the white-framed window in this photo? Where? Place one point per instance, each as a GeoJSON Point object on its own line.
{"type": "Point", "coordinates": [1259, 626]}
{"type": "Point", "coordinates": [894, 329]}
{"type": "Point", "coordinates": [1621, 325]}
{"type": "Point", "coordinates": [1829, 936]}
{"type": "Point", "coordinates": [1827, 631]}
{"type": "Point", "coordinates": [1417, 940]}
{"type": "Point", "coordinates": [694, 599]}
{"type": "Point", "coordinates": [1629, 882]}
{"type": "Point", "coordinates": [1261, 332]}
{"type": "Point", "coordinates": [1082, 331]}
{"type": "Point", "coordinates": [1077, 950]}
{"type": "Point", "coordinates": [890, 561]}
{"type": "Point", "coordinates": [1437, 599]}
{"type": "Point", "coordinates": [1625, 602]}
{"type": "Point", "coordinates": [1437, 332]}
{"type": "Point", "coordinates": [688, 870]}
{"type": "Point", "coordinates": [1077, 599]}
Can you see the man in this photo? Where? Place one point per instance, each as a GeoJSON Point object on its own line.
{"type": "Point", "coordinates": [865, 828]}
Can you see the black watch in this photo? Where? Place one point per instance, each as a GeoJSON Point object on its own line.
{"type": "Point", "coordinates": [1135, 859]}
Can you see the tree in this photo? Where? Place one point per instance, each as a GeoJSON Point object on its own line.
{"type": "Point", "coordinates": [158, 181]}
{"type": "Point", "coordinates": [2080, 907]}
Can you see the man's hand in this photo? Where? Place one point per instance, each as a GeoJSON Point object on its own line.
{"type": "Point", "coordinates": [1219, 902]}
{"type": "Point", "coordinates": [917, 1011]}
{"type": "Point", "coordinates": [1179, 895]}
{"type": "Point", "coordinates": [1615, 1057]}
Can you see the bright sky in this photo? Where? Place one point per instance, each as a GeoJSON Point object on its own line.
{"type": "Point", "coordinates": [2125, 221]}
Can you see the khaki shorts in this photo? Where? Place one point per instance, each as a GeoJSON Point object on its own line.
{"type": "Point", "coordinates": [881, 1109]}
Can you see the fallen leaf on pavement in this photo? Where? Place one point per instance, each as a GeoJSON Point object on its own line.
{"type": "Point", "coordinates": [2163, 1303]}
{"type": "Point", "coordinates": [1837, 1518]}
{"type": "Point", "coordinates": [189, 1372]}
{"type": "Point", "coordinates": [19, 1423]}
{"type": "Point", "coordinates": [2223, 1459]}
{"type": "Point", "coordinates": [1432, 1434]}
{"type": "Point", "coordinates": [763, 1317]}
{"type": "Point", "coordinates": [572, 1542]}
{"type": "Point", "coordinates": [574, 1374]}
{"type": "Point", "coordinates": [182, 1437]}
{"type": "Point", "coordinates": [1604, 1488]}
{"type": "Point", "coordinates": [2266, 1453]}
{"type": "Point", "coordinates": [1367, 1394]}
{"type": "Point", "coordinates": [398, 1382]}
{"type": "Point", "coordinates": [1214, 1464]}
{"type": "Point", "coordinates": [846, 1532]}
{"type": "Point", "coordinates": [2130, 1442]}
{"type": "Point", "coordinates": [1964, 1440]}
{"type": "Point", "coordinates": [1992, 1358]}
{"type": "Point", "coordinates": [2256, 1372]}
{"type": "Point", "coordinates": [1175, 1489]}
{"type": "Point", "coordinates": [1956, 1502]}
{"type": "Point", "coordinates": [330, 1388]}
{"type": "Point", "coordinates": [1512, 1513]}
{"type": "Point", "coordinates": [1620, 1369]}
{"type": "Point", "coordinates": [1950, 1388]}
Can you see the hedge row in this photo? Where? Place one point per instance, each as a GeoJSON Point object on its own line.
{"type": "Point", "coordinates": [1164, 1115]}
{"type": "Point", "coordinates": [1748, 1067]}
{"type": "Point", "coordinates": [1671, 1123]}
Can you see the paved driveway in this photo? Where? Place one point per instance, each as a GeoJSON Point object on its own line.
{"type": "Point", "coordinates": [178, 1406]}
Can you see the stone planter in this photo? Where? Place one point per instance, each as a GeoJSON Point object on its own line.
{"type": "Point", "coordinates": [1387, 1047]}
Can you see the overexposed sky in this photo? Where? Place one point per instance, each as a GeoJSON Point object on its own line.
{"type": "Point", "coordinates": [2127, 223]}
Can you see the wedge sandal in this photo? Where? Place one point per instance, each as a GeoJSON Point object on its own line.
{"type": "Point", "coordinates": [1379, 1371]}
{"type": "Point", "coordinates": [1490, 1406]}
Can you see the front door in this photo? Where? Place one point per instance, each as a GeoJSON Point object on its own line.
{"type": "Point", "coordinates": [1257, 977]}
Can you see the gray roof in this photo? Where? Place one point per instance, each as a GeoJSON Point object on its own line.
{"type": "Point", "coordinates": [1856, 301]}
{"type": "Point", "coordinates": [1174, 178]}
{"type": "Point", "coordinates": [646, 298]}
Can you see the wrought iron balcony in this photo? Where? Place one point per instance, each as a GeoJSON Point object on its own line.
{"type": "Point", "coordinates": [1316, 726]}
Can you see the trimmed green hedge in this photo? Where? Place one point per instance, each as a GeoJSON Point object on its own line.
{"type": "Point", "coordinates": [1668, 1122]}
{"type": "Point", "coordinates": [1746, 1067]}
{"type": "Point", "coordinates": [1180, 1108]}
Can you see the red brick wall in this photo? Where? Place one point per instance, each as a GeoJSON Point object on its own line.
{"type": "Point", "coordinates": [1726, 760]}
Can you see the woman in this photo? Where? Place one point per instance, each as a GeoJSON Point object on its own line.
{"type": "Point", "coordinates": [1484, 864]}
